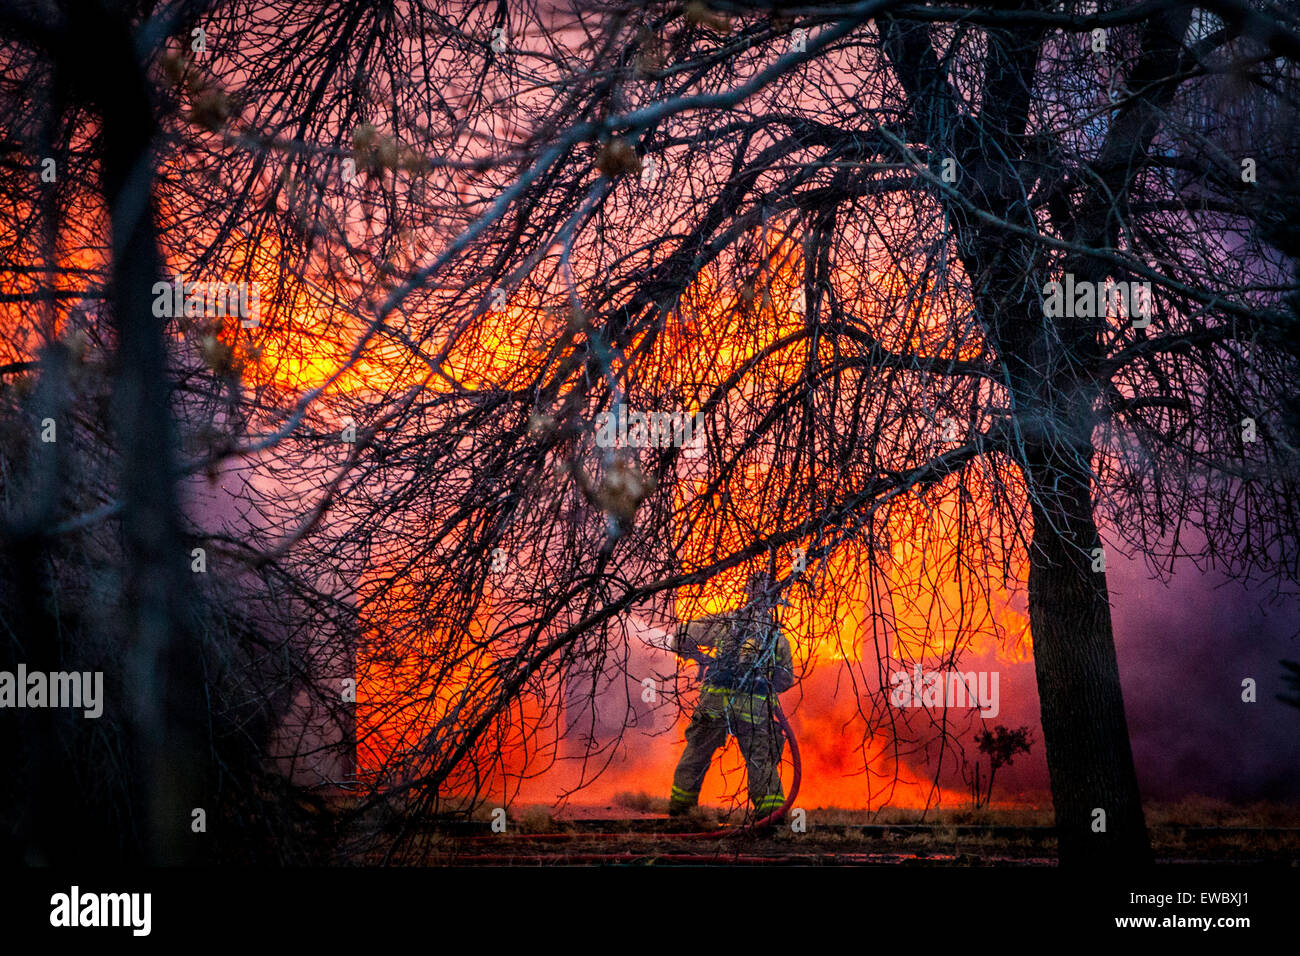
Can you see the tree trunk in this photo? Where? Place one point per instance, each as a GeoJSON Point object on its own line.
{"type": "Point", "coordinates": [1085, 732]}
{"type": "Point", "coordinates": [164, 659]}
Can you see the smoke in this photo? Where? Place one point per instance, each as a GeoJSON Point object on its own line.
{"type": "Point", "coordinates": [1184, 651]}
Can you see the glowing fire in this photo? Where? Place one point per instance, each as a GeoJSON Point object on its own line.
{"type": "Point", "coordinates": [924, 594]}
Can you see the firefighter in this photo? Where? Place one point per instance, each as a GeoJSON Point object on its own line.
{"type": "Point", "coordinates": [750, 662]}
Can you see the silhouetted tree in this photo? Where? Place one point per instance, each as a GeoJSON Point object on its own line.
{"type": "Point", "coordinates": [833, 229]}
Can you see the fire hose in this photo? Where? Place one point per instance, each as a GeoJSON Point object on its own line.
{"type": "Point", "coordinates": [771, 818]}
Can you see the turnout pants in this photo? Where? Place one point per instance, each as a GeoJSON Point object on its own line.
{"type": "Point", "coordinates": [749, 717]}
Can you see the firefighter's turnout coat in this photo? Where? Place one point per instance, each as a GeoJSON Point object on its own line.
{"type": "Point", "coordinates": [750, 661]}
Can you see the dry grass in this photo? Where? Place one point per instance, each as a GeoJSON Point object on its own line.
{"type": "Point", "coordinates": [1208, 812]}
{"type": "Point", "coordinates": [896, 816]}
{"type": "Point", "coordinates": [1194, 829]}
{"type": "Point", "coordinates": [641, 802]}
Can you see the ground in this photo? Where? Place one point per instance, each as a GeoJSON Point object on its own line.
{"type": "Point", "coordinates": [632, 829]}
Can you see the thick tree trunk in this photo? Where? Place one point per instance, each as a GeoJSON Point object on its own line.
{"type": "Point", "coordinates": [164, 663]}
{"type": "Point", "coordinates": [1094, 786]}
{"type": "Point", "coordinates": [1053, 379]}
